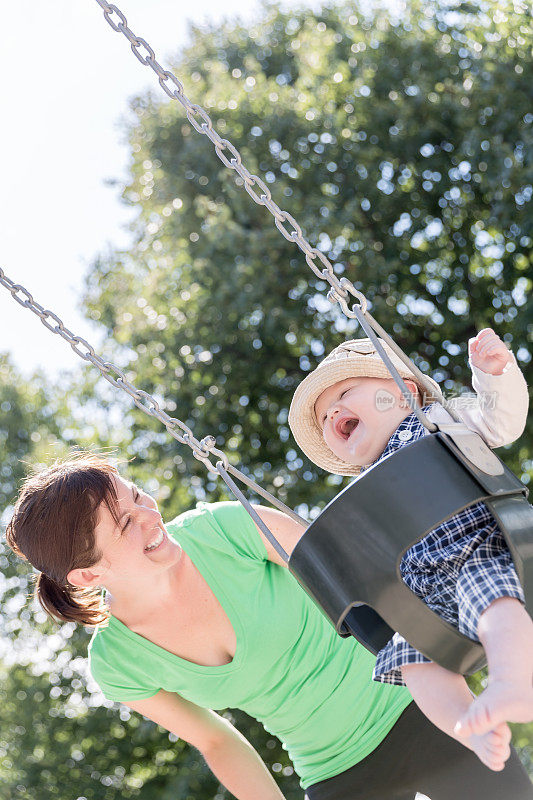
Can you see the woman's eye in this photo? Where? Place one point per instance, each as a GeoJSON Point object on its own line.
{"type": "Point", "coordinates": [126, 524]}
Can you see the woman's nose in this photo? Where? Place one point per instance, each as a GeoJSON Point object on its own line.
{"type": "Point", "coordinates": [150, 515]}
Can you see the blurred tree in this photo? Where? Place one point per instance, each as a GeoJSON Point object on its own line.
{"type": "Point", "coordinates": [26, 420]}
{"type": "Point", "coordinates": [58, 746]}
{"type": "Point", "coordinates": [404, 148]}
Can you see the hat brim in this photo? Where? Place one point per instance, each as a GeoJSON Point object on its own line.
{"type": "Point", "coordinates": [302, 418]}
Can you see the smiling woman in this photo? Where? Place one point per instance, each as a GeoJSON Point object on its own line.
{"type": "Point", "coordinates": [133, 544]}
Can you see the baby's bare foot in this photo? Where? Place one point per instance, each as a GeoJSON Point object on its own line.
{"type": "Point", "coordinates": [500, 702]}
{"type": "Point", "coordinates": [493, 748]}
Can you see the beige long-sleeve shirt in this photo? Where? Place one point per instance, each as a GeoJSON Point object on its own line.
{"type": "Point", "coordinates": [497, 410]}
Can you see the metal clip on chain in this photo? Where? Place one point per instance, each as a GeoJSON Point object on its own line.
{"type": "Point", "coordinates": [203, 449]}
{"type": "Point", "coordinates": [340, 294]}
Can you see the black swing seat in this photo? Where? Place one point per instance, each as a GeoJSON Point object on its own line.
{"type": "Point", "coordinates": [348, 559]}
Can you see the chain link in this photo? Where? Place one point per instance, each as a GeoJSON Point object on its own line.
{"type": "Point", "coordinates": [231, 158]}
{"type": "Point", "coordinates": [202, 450]}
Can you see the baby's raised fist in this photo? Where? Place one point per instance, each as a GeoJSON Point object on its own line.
{"type": "Point", "coordinates": [488, 353]}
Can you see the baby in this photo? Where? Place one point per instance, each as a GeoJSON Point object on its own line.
{"type": "Point", "coordinates": [347, 415]}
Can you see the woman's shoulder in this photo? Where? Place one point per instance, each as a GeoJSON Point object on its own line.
{"type": "Point", "coordinates": [226, 510]}
{"type": "Point", "coordinates": [121, 669]}
{"type": "Point", "coordinates": [224, 526]}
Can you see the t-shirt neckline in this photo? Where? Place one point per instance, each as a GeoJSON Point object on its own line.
{"type": "Point", "coordinates": [232, 615]}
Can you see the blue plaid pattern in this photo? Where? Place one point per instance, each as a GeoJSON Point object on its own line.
{"type": "Point", "coordinates": [458, 569]}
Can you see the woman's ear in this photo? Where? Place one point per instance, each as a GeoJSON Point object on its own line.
{"type": "Point", "coordinates": [86, 578]}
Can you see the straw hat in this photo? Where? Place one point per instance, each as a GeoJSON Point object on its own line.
{"type": "Point", "coordinates": [351, 359]}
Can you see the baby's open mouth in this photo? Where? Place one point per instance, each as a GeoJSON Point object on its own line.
{"type": "Point", "coordinates": [346, 426]}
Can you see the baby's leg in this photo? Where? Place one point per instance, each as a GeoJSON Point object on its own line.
{"type": "Point", "coordinates": [444, 697]}
{"type": "Point", "coordinates": [505, 630]}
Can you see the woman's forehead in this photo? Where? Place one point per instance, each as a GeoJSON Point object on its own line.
{"type": "Point", "coordinates": [109, 509]}
{"type": "Point", "coordinates": [123, 486]}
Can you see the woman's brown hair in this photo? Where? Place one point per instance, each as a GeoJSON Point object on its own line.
{"type": "Point", "coordinates": [53, 528]}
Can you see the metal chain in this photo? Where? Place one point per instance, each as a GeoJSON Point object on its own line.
{"type": "Point", "coordinates": [342, 288]}
{"type": "Point", "coordinates": [202, 449]}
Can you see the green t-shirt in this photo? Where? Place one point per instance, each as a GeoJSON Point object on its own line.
{"type": "Point", "coordinates": [291, 671]}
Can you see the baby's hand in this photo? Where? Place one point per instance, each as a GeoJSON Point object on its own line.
{"type": "Point", "coordinates": [488, 353]}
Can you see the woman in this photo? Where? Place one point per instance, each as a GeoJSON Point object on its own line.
{"type": "Point", "coordinates": [204, 615]}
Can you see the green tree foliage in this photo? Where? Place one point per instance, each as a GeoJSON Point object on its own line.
{"type": "Point", "coordinates": [55, 744]}
{"type": "Point", "coordinates": [404, 149]}
{"type": "Point", "coordinates": [26, 419]}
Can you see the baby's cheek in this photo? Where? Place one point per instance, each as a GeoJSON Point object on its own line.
{"type": "Point", "coordinates": [331, 442]}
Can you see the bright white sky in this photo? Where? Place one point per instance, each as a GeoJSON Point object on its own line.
{"type": "Point", "coordinates": [66, 77]}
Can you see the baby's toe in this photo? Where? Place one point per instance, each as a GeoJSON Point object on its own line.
{"type": "Point", "coordinates": [503, 730]}
{"type": "Point", "coordinates": [498, 746]}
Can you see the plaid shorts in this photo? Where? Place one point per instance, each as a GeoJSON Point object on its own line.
{"type": "Point", "coordinates": [458, 570]}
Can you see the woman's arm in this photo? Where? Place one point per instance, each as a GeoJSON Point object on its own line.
{"type": "Point", "coordinates": [286, 530]}
{"type": "Point", "coordinates": [228, 754]}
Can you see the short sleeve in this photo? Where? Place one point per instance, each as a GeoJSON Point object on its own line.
{"type": "Point", "coordinates": [234, 524]}
{"type": "Point", "coordinates": [119, 677]}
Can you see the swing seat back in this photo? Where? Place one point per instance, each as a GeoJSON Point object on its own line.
{"type": "Point", "coordinates": [348, 559]}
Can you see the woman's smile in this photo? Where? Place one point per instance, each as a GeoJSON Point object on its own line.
{"type": "Point", "coordinates": [156, 541]}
